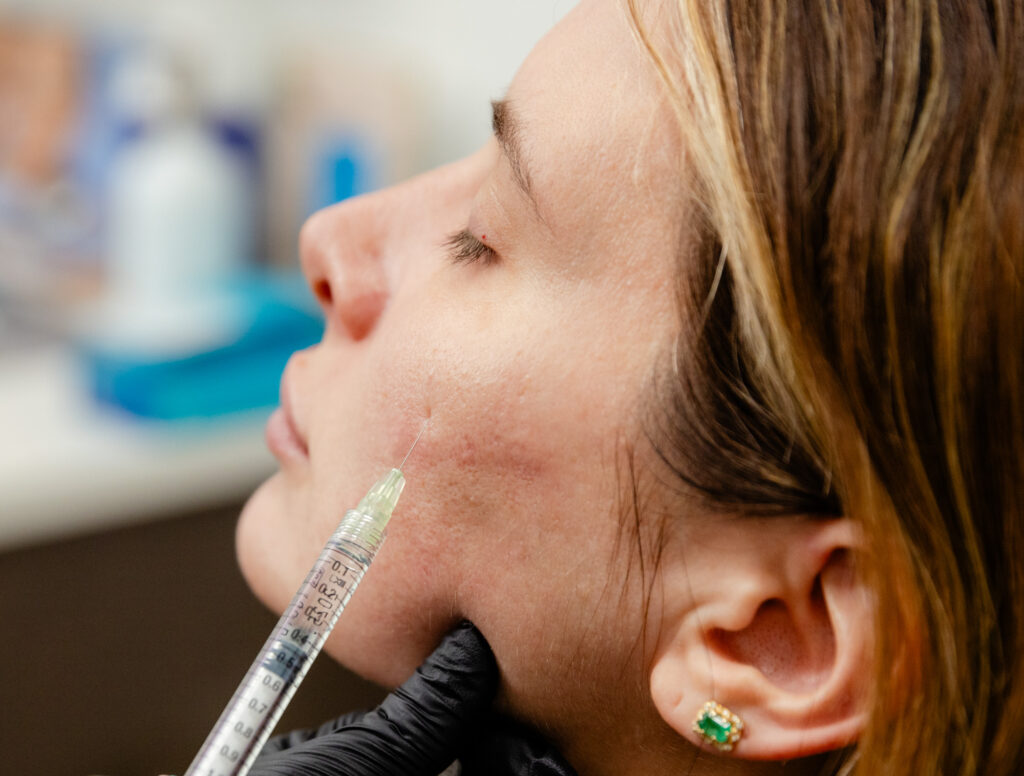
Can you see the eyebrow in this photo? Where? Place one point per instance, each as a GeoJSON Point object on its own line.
{"type": "Point", "coordinates": [507, 131]}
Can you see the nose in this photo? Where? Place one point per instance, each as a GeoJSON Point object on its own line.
{"type": "Point", "coordinates": [355, 253]}
{"type": "Point", "coordinates": [339, 246]}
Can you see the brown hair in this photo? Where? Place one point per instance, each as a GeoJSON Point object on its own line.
{"type": "Point", "coordinates": [856, 337]}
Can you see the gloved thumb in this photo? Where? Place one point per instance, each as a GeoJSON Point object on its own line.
{"type": "Point", "coordinates": [417, 730]}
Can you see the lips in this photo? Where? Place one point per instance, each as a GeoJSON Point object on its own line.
{"type": "Point", "coordinates": [282, 434]}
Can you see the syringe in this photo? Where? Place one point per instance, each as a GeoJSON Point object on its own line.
{"type": "Point", "coordinates": [281, 665]}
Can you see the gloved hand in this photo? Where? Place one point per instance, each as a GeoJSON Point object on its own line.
{"type": "Point", "coordinates": [507, 748]}
{"type": "Point", "coordinates": [441, 713]}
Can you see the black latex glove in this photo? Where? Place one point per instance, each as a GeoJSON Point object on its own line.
{"type": "Point", "coordinates": [504, 747]}
{"type": "Point", "coordinates": [438, 715]}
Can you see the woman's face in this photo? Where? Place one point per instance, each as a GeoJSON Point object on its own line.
{"type": "Point", "coordinates": [530, 365]}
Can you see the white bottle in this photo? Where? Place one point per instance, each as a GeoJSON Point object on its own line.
{"type": "Point", "coordinates": [179, 212]}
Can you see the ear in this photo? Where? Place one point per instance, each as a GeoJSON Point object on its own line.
{"type": "Point", "coordinates": [768, 617]}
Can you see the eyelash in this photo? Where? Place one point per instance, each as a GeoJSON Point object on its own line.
{"type": "Point", "coordinates": [464, 248]}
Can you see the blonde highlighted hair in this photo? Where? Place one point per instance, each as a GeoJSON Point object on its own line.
{"type": "Point", "coordinates": [857, 326]}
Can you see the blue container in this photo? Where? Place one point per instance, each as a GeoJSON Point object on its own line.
{"type": "Point", "coordinates": [272, 318]}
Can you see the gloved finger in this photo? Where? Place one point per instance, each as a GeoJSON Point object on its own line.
{"type": "Point", "coordinates": [416, 730]}
{"type": "Point", "coordinates": [296, 737]}
{"type": "Point", "coordinates": [505, 747]}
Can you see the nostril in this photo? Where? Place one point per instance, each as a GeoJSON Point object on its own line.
{"type": "Point", "coordinates": [322, 290]}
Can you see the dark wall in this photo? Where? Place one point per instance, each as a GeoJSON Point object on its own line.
{"type": "Point", "coordinates": [120, 650]}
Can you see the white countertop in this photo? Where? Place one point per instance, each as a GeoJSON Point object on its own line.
{"type": "Point", "coordinates": [69, 466]}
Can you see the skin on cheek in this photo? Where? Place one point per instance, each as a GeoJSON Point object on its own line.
{"type": "Point", "coordinates": [476, 388]}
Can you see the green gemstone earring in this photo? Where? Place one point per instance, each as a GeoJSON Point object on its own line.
{"type": "Point", "coordinates": [718, 726]}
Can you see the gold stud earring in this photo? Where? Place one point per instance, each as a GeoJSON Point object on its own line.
{"type": "Point", "coordinates": [718, 726]}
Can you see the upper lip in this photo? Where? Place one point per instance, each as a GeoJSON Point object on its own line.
{"type": "Point", "coordinates": [286, 407]}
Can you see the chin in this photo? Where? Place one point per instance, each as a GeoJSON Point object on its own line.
{"type": "Point", "coordinates": [255, 548]}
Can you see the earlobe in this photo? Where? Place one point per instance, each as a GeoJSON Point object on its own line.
{"type": "Point", "coordinates": [777, 629]}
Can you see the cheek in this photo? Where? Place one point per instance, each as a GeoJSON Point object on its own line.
{"type": "Point", "coordinates": [473, 375]}
{"type": "Point", "coordinates": [503, 383]}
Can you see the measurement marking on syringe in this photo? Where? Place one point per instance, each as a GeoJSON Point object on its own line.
{"type": "Point", "coordinates": [285, 659]}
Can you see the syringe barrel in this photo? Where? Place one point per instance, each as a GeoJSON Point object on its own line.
{"type": "Point", "coordinates": [263, 695]}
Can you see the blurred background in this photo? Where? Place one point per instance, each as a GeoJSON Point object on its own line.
{"type": "Point", "coordinates": [156, 162]}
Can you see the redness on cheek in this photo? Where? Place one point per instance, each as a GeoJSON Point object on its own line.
{"type": "Point", "coordinates": [483, 238]}
{"type": "Point", "coordinates": [494, 455]}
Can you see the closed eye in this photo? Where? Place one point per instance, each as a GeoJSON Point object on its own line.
{"type": "Point", "coordinates": [464, 248]}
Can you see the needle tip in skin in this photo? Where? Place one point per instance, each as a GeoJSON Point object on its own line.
{"type": "Point", "coordinates": [402, 465]}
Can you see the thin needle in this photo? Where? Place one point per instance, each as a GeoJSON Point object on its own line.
{"type": "Point", "coordinates": [402, 465]}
